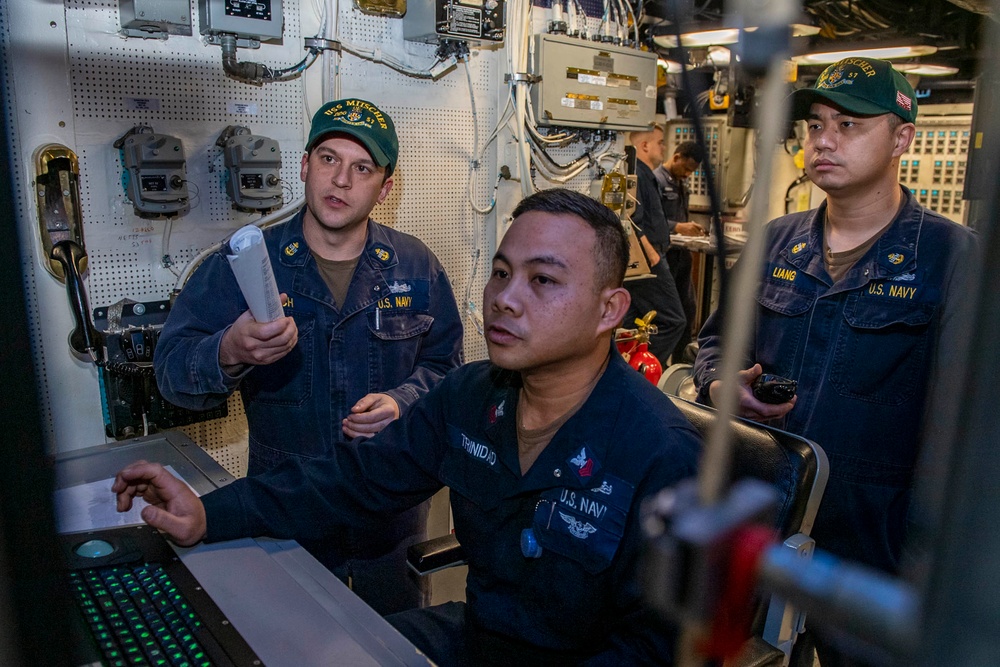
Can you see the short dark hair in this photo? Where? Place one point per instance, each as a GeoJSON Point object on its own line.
{"type": "Point", "coordinates": [611, 249]}
{"type": "Point", "coordinates": [690, 150]}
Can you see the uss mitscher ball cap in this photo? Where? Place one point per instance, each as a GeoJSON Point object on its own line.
{"type": "Point", "coordinates": [362, 120]}
{"type": "Point", "coordinates": [862, 86]}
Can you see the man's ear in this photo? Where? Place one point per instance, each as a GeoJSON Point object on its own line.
{"type": "Point", "coordinates": [384, 192]}
{"type": "Point", "coordinates": [904, 135]}
{"type": "Point", "coordinates": [615, 302]}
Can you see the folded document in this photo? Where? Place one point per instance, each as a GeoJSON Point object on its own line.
{"type": "Point", "coordinates": [252, 268]}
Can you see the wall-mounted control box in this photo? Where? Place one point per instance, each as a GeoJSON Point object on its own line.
{"type": "Point", "coordinates": [155, 175]}
{"type": "Point", "coordinates": [468, 20]}
{"type": "Point", "coordinates": [252, 21]}
{"type": "Point", "coordinates": [591, 84]}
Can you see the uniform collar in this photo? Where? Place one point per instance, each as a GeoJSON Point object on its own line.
{"type": "Point", "coordinates": [294, 251]}
{"type": "Point", "coordinates": [666, 178]}
{"type": "Point", "coordinates": [894, 253]}
{"type": "Point", "coordinates": [589, 432]}
{"type": "Point", "coordinates": [292, 248]}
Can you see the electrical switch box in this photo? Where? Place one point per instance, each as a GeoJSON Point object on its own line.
{"type": "Point", "coordinates": [591, 84]}
{"type": "Point", "coordinates": [253, 169]}
{"type": "Point", "coordinates": [470, 20]}
{"type": "Point", "coordinates": [252, 21]}
{"type": "Point", "coordinates": [155, 174]}
{"type": "Point", "coordinates": [130, 400]}
{"type": "Point", "coordinates": [155, 18]}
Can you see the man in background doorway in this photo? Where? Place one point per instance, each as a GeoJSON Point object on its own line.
{"type": "Point", "coordinates": [658, 293]}
{"type": "Point", "coordinates": [672, 176]}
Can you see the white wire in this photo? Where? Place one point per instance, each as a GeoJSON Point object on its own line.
{"type": "Point", "coordinates": [263, 222]}
{"type": "Point", "coordinates": [165, 259]}
{"type": "Point", "coordinates": [395, 63]}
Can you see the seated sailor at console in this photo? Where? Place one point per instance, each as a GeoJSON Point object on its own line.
{"type": "Point", "coordinates": [548, 449]}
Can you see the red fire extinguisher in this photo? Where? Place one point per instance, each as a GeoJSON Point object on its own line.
{"type": "Point", "coordinates": [633, 345]}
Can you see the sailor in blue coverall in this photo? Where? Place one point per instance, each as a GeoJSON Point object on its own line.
{"type": "Point", "coordinates": [566, 592]}
{"type": "Point", "coordinates": [659, 292]}
{"type": "Point", "coordinates": [858, 302]}
{"type": "Point", "coordinates": [862, 351]}
{"type": "Point", "coordinates": [396, 333]}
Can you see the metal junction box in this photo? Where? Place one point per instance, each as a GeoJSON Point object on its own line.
{"type": "Point", "coordinates": [155, 18]}
{"type": "Point", "coordinates": [473, 21]}
{"type": "Point", "coordinates": [252, 20]}
{"type": "Point", "coordinates": [591, 84]}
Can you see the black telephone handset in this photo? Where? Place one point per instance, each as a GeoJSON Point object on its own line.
{"type": "Point", "coordinates": [85, 339]}
{"type": "Point", "coordinates": [773, 389]}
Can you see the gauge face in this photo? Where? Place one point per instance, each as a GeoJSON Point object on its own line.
{"type": "Point", "coordinates": [249, 9]}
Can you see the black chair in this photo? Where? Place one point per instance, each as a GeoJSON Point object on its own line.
{"type": "Point", "coordinates": [796, 467]}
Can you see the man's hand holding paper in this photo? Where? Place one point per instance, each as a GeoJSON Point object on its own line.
{"type": "Point", "coordinates": [253, 343]}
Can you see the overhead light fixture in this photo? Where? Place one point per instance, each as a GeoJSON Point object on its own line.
{"type": "Point", "coordinates": [699, 38]}
{"type": "Point", "coordinates": [671, 66]}
{"type": "Point", "coordinates": [926, 70]}
{"type": "Point", "coordinates": [882, 52]}
{"type": "Point", "coordinates": [722, 36]}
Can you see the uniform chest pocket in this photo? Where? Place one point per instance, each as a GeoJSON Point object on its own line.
{"type": "Point", "coordinates": [782, 321]}
{"type": "Point", "coordinates": [584, 525]}
{"type": "Point", "coordinates": [287, 381]}
{"type": "Point", "coordinates": [882, 352]}
{"type": "Point", "coordinates": [391, 326]}
{"type": "Point", "coordinates": [471, 468]}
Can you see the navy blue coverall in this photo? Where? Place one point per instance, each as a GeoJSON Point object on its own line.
{"type": "Point", "coordinates": [398, 332]}
{"type": "Point", "coordinates": [579, 602]}
{"type": "Point", "coordinates": [862, 350]}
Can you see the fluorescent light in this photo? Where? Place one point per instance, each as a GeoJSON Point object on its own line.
{"type": "Point", "coordinates": [701, 38]}
{"type": "Point", "coordinates": [885, 53]}
{"type": "Point", "coordinates": [926, 70]}
{"type": "Point", "coordinates": [719, 56]}
{"type": "Point", "coordinates": [804, 30]}
{"type": "Point", "coordinates": [723, 36]}
{"type": "Point", "coordinates": [671, 66]}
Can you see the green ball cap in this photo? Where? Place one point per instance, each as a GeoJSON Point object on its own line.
{"type": "Point", "coordinates": [362, 120]}
{"type": "Point", "coordinates": [862, 86]}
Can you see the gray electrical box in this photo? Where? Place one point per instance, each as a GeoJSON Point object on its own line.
{"type": "Point", "coordinates": [590, 84]}
{"type": "Point", "coordinates": [468, 20]}
{"type": "Point", "coordinates": [253, 169]}
{"type": "Point", "coordinates": [155, 176]}
{"type": "Point", "coordinates": [726, 148]}
{"type": "Point", "coordinates": [253, 21]}
{"type": "Point", "coordinates": [155, 18]}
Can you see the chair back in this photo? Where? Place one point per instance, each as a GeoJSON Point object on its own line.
{"type": "Point", "coordinates": [796, 467]}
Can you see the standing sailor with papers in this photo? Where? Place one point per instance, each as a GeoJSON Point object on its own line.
{"type": "Point", "coordinates": [370, 325]}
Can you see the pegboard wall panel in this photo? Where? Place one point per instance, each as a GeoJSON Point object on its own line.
{"type": "Point", "coordinates": [934, 166]}
{"type": "Point", "coordinates": [176, 86]}
{"type": "Point", "coordinates": [438, 133]}
{"type": "Point", "coordinates": [430, 200]}
{"type": "Point", "coordinates": [225, 439]}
